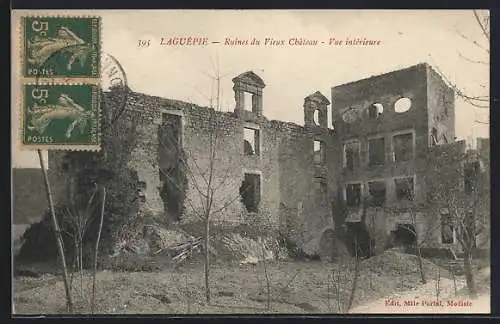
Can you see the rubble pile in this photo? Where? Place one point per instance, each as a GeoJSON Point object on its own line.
{"type": "Point", "coordinates": [155, 240]}
{"type": "Point", "coordinates": [229, 247]}
{"type": "Point", "coordinates": [247, 250]}
{"type": "Point", "coordinates": [160, 238]}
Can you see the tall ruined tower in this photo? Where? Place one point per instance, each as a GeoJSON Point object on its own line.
{"type": "Point", "coordinates": [385, 125]}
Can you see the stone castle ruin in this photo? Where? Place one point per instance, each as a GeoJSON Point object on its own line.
{"type": "Point", "coordinates": [365, 177]}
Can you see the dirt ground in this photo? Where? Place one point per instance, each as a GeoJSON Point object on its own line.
{"type": "Point", "coordinates": [295, 288]}
{"type": "Point", "coordinates": [423, 301]}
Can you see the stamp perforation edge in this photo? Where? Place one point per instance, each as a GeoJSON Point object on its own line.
{"type": "Point", "coordinates": [58, 147]}
{"type": "Point", "coordinates": [86, 79]}
{"type": "Point", "coordinates": [97, 81]}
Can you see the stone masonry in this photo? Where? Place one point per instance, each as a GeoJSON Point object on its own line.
{"type": "Point", "coordinates": [286, 176]}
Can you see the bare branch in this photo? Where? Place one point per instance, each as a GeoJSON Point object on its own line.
{"type": "Point", "coordinates": [473, 41]}
{"type": "Point", "coordinates": [207, 75]}
{"type": "Point", "coordinates": [201, 93]}
{"type": "Point", "coordinates": [483, 28]}
{"type": "Point", "coordinates": [230, 202]}
{"type": "Point", "coordinates": [225, 177]}
{"type": "Point", "coordinates": [471, 60]}
{"type": "Point", "coordinates": [187, 167]}
{"type": "Point", "coordinates": [469, 99]}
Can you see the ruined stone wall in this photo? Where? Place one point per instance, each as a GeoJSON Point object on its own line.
{"type": "Point", "coordinates": [284, 147]}
{"type": "Point", "coordinates": [202, 127]}
{"type": "Point", "coordinates": [289, 188]}
{"type": "Point", "coordinates": [285, 163]}
{"type": "Point", "coordinates": [441, 108]}
{"type": "Point", "coordinates": [304, 206]}
{"type": "Point", "coordinates": [384, 89]}
{"type": "Point", "coordinates": [296, 182]}
{"type": "Point", "coordinates": [128, 157]}
{"type": "Point", "coordinates": [292, 199]}
{"type": "Point", "coordinates": [430, 98]}
{"type": "Point", "coordinates": [144, 156]}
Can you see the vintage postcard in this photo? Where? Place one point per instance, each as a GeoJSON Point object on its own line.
{"type": "Point", "coordinates": [180, 162]}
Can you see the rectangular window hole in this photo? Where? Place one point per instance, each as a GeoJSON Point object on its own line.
{"type": "Point", "coordinates": [404, 189]}
{"type": "Point", "coordinates": [403, 147]}
{"type": "Point", "coordinates": [321, 188]}
{"type": "Point", "coordinates": [351, 155]}
{"type": "Point", "coordinates": [250, 192]}
{"type": "Point", "coordinates": [247, 101]}
{"type": "Point", "coordinates": [376, 150]}
{"type": "Point", "coordinates": [353, 194]}
{"type": "Point", "coordinates": [377, 193]}
{"type": "Point", "coordinates": [251, 141]}
{"type": "Point", "coordinates": [319, 151]}
{"type": "Point", "coordinates": [447, 229]}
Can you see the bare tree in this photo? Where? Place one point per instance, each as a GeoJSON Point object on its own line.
{"type": "Point", "coordinates": [340, 213]}
{"type": "Point", "coordinates": [207, 180]}
{"type": "Point", "coordinates": [77, 220]}
{"type": "Point", "coordinates": [419, 239]}
{"type": "Point", "coordinates": [418, 245]}
{"type": "Point", "coordinates": [58, 236]}
{"type": "Point", "coordinates": [437, 283]}
{"type": "Point", "coordinates": [476, 100]}
{"type": "Point", "coordinates": [461, 192]}
{"type": "Point", "coordinates": [337, 283]}
{"type": "Point", "coordinates": [352, 293]}
{"type": "Point", "coordinates": [268, 282]}
{"type": "Point", "coordinates": [357, 256]}
{"type": "Point", "coordinates": [96, 251]}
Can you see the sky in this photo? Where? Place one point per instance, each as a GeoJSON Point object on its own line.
{"type": "Point", "coordinates": [444, 39]}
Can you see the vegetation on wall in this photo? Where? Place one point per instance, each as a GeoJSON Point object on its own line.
{"type": "Point", "coordinates": [83, 172]}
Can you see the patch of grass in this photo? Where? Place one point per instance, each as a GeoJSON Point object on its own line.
{"type": "Point", "coordinates": [296, 287]}
{"type": "Point", "coordinates": [482, 280]}
{"type": "Point", "coordinates": [136, 263]}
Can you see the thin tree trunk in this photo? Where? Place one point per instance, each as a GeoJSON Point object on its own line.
{"type": "Point", "coordinates": [96, 252]}
{"type": "Point", "coordinates": [207, 259]}
{"type": "Point", "coordinates": [356, 275]}
{"type": "Point", "coordinates": [188, 296]}
{"type": "Point", "coordinates": [328, 294]}
{"type": "Point", "coordinates": [340, 301]}
{"type": "Point", "coordinates": [417, 246]}
{"type": "Point", "coordinates": [57, 232]}
{"type": "Point", "coordinates": [438, 283]}
{"type": "Point", "coordinates": [338, 286]}
{"type": "Point", "coordinates": [268, 284]}
{"type": "Point", "coordinates": [469, 277]}
{"type": "Point", "coordinates": [73, 268]}
{"type": "Point", "coordinates": [419, 254]}
{"type": "Point", "coordinates": [454, 281]}
{"type": "Point", "coordinates": [420, 264]}
{"type": "Point", "coordinates": [80, 252]}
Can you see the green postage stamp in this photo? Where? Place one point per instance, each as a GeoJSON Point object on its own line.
{"type": "Point", "coordinates": [61, 117]}
{"type": "Point", "coordinates": [61, 47]}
